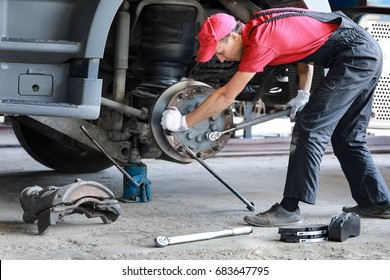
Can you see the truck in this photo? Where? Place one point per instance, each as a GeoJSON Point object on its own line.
{"type": "Point", "coordinates": [113, 66]}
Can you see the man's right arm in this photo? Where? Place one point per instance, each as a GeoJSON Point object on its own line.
{"type": "Point", "coordinates": [220, 99]}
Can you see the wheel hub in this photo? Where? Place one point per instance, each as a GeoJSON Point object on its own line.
{"type": "Point", "coordinates": [186, 96]}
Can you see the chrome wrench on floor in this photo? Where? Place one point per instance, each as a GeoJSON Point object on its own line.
{"type": "Point", "coordinates": [214, 136]}
{"type": "Point", "coordinates": [162, 241]}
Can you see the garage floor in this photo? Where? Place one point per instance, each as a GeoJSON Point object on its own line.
{"type": "Point", "coordinates": [185, 199]}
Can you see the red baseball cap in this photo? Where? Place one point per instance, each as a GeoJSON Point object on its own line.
{"type": "Point", "coordinates": [213, 29]}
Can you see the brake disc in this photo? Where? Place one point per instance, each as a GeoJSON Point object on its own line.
{"type": "Point", "coordinates": [186, 96]}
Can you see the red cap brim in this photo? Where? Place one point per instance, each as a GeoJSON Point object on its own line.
{"type": "Point", "coordinates": [205, 53]}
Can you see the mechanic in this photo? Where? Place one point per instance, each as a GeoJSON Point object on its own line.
{"type": "Point", "coordinates": [339, 109]}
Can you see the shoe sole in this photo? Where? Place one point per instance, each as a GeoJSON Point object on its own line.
{"type": "Point", "coordinates": [271, 225]}
{"type": "Point", "coordinates": [379, 216]}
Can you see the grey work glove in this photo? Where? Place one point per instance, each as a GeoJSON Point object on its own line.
{"type": "Point", "coordinates": [297, 103]}
{"type": "Point", "coordinates": [173, 120]}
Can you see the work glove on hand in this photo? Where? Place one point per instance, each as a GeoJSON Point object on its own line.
{"type": "Point", "coordinates": [173, 120]}
{"type": "Point", "coordinates": [297, 103]}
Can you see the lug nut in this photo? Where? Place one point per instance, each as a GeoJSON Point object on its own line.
{"type": "Point", "coordinates": [189, 136]}
{"type": "Point", "coordinates": [199, 138]}
{"type": "Point", "coordinates": [217, 148]}
{"type": "Point", "coordinates": [213, 127]}
{"type": "Point", "coordinates": [180, 96]}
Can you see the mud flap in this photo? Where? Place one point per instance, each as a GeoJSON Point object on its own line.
{"type": "Point", "coordinates": [51, 204]}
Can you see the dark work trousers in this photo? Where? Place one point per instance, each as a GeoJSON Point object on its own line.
{"type": "Point", "coordinates": [339, 110]}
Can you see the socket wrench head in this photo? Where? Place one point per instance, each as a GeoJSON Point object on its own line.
{"type": "Point", "coordinates": [213, 136]}
{"type": "Point", "coordinates": [161, 241]}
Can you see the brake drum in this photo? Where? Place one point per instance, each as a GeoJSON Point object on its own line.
{"type": "Point", "coordinates": [186, 96]}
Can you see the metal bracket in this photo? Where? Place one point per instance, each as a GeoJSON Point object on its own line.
{"type": "Point", "coordinates": [71, 128]}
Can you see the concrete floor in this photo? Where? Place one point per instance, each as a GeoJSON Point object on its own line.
{"type": "Point", "coordinates": [185, 199]}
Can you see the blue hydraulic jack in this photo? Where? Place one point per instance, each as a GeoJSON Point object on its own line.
{"type": "Point", "coordinates": [136, 187]}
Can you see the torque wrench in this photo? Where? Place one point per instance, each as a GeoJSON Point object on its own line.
{"type": "Point", "coordinates": [250, 205]}
{"type": "Point", "coordinates": [162, 241]}
{"type": "Point", "coordinates": [214, 136]}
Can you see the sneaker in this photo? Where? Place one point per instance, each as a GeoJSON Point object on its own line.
{"type": "Point", "coordinates": [375, 211]}
{"type": "Point", "coordinates": [274, 217]}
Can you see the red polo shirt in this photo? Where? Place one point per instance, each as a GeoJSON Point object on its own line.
{"type": "Point", "coordinates": [281, 41]}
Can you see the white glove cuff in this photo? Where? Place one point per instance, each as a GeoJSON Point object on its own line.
{"type": "Point", "coordinates": [303, 93]}
{"type": "Point", "coordinates": [183, 123]}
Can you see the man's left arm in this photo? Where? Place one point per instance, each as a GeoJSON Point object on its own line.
{"type": "Point", "coordinates": [305, 77]}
